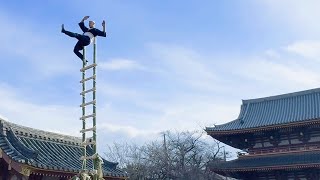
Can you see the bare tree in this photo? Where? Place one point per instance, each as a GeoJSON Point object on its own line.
{"type": "Point", "coordinates": [180, 155]}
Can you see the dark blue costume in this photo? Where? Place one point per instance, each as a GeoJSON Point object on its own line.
{"type": "Point", "coordinates": [83, 40]}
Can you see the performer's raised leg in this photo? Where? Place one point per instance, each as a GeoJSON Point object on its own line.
{"type": "Point", "coordinates": [71, 34]}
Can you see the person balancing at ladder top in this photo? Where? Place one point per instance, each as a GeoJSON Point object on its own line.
{"type": "Point", "coordinates": [87, 37]}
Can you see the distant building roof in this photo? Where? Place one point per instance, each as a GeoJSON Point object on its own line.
{"type": "Point", "coordinates": [275, 110]}
{"type": "Point", "coordinates": [47, 151]}
{"type": "Point", "coordinates": [270, 162]}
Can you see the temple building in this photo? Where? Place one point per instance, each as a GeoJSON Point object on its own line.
{"type": "Point", "coordinates": [27, 153]}
{"type": "Point", "coordinates": [280, 136]}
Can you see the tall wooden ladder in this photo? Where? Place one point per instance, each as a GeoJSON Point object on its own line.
{"type": "Point", "coordinates": [88, 117]}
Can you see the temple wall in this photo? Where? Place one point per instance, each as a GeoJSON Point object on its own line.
{"type": "Point", "coordinates": [285, 139]}
{"type": "Point", "coordinates": [282, 175]}
{"type": "Point", "coordinates": [315, 136]}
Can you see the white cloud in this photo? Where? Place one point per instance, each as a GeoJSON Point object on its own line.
{"type": "Point", "coordinates": [129, 130]}
{"type": "Point", "coordinates": [111, 90]}
{"type": "Point", "coordinates": [195, 115]}
{"type": "Point", "coordinates": [272, 54]}
{"type": "Point", "coordinates": [186, 65]}
{"type": "Point", "coordinates": [278, 74]}
{"type": "Point", "coordinates": [54, 118]}
{"type": "Point", "coordinates": [300, 16]}
{"type": "Point", "coordinates": [120, 64]}
{"type": "Point", "coordinates": [308, 49]}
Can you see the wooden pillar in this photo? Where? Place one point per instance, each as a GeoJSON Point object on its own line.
{"type": "Point", "coordinates": [281, 175]}
{"type": "Point", "coordinates": [296, 176]}
{"type": "Point", "coordinates": [5, 174]}
{"type": "Point", "coordinates": [35, 177]}
{"type": "Point", "coordinates": [311, 174]}
{"type": "Point", "coordinates": [4, 170]}
{"type": "Point", "coordinates": [249, 176]}
{"type": "Point", "coordinates": [284, 175]}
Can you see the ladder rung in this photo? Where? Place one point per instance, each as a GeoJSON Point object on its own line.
{"type": "Point", "coordinates": [88, 67]}
{"type": "Point", "coordinates": [89, 129]}
{"type": "Point", "coordinates": [88, 143]}
{"type": "Point", "coordinates": [88, 103]}
{"type": "Point", "coordinates": [88, 116]}
{"type": "Point", "coordinates": [84, 92]}
{"type": "Point", "coordinates": [89, 157]}
{"type": "Point", "coordinates": [87, 79]}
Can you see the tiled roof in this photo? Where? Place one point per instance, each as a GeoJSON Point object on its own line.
{"type": "Point", "coordinates": [275, 110]}
{"type": "Point", "coordinates": [46, 150]}
{"type": "Point", "coordinates": [277, 161]}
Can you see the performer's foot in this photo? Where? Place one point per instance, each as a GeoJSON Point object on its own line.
{"type": "Point", "coordinates": [62, 28]}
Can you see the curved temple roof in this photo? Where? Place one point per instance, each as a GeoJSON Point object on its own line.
{"type": "Point", "coordinates": [276, 161]}
{"type": "Point", "coordinates": [275, 110]}
{"type": "Point", "coordinates": [47, 151]}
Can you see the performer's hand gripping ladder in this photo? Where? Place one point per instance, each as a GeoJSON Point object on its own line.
{"type": "Point", "coordinates": [86, 118]}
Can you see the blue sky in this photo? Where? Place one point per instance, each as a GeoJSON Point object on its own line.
{"type": "Point", "coordinates": [165, 65]}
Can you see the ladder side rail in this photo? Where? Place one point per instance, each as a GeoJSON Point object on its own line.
{"type": "Point", "coordinates": [94, 132]}
{"type": "Point", "coordinates": [84, 151]}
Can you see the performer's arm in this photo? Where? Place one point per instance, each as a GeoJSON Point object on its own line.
{"type": "Point", "coordinates": [102, 33]}
{"type": "Point", "coordinates": [104, 25]}
{"type": "Point", "coordinates": [81, 24]}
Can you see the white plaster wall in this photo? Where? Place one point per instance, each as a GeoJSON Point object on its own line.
{"type": "Point", "coordinates": [314, 139]}
{"type": "Point", "coordinates": [284, 142]}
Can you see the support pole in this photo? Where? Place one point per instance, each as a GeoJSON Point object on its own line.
{"type": "Point", "coordinates": [84, 162]}
{"type": "Point", "coordinates": [95, 161]}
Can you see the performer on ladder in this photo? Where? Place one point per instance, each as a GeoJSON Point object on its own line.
{"type": "Point", "coordinates": [87, 37]}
